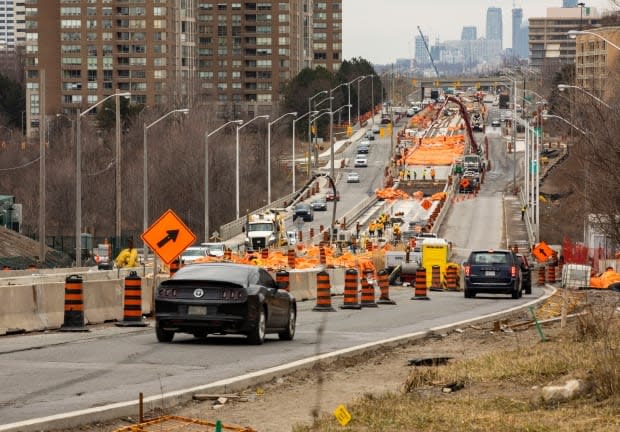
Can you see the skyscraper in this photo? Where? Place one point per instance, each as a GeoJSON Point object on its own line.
{"type": "Point", "coordinates": [421, 55]}
{"type": "Point", "coordinates": [469, 33]}
{"type": "Point", "coordinates": [519, 35]}
{"type": "Point", "coordinates": [569, 3]}
{"type": "Point", "coordinates": [234, 56]}
{"type": "Point", "coordinates": [12, 24]}
{"type": "Point", "coordinates": [494, 25]}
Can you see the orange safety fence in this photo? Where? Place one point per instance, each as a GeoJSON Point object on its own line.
{"type": "Point", "coordinates": [394, 194]}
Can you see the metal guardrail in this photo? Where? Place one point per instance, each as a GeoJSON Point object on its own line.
{"type": "Point", "coordinates": [354, 214]}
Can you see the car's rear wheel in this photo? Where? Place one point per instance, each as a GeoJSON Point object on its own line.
{"type": "Point", "coordinates": [289, 333]}
{"type": "Point", "coordinates": [469, 293]}
{"type": "Point", "coordinates": [257, 335]}
{"type": "Point", "coordinates": [516, 292]}
{"type": "Point", "coordinates": [200, 334]}
{"type": "Point", "coordinates": [163, 335]}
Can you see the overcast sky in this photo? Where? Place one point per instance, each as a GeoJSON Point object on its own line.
{"type": "Point", "coordinates": [383, 30]}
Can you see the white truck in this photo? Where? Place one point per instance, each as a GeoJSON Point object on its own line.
{"type": "Point", "coordinates": [266, 229]}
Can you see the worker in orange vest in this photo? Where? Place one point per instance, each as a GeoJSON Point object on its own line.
{"type": "Point", "coordinates": [433, 174]}
{"type": "Point", "coordinates": [371, 229]}
{"type": "Point", "coordinates": [380, 226]}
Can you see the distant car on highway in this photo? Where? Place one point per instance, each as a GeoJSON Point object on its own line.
{"type": "Point", "coordinates": [353, 177]}
{"type": "Point", "coordinates": [369, 135]}
{"type": "Point", "coordinates": [224, 298]}
{"type": "Point", "coordinates": [496, 123]}
{"type": "Point", "coordinates": [319, 204]}
{"type": "Point", "coordinates": [376, 129]}
{"type": "Point", "coordinates": [192, 253]}
{"type": "Point", "coordinates": [494, 272]}
{"type": "Point", "coordinates": [291, 237]}
{"type": "Point", "coordinates": [215, 249]}
{"type": "Point", "coordinates": [361, 162]}
{"type": "Point", "coordinates": [304, 211]}
{"type": "Point", "coordinates": [330, 196]}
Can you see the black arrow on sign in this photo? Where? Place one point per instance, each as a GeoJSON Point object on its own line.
{"type": "Point", "coordinates": [172, 235]}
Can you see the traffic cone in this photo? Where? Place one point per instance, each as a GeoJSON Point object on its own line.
{"type": "Point", "coordinates": [323, 293]}
{"type": "Point", "coordinates": [384, 286]}
{"type": "Point", "coordinates": [132, 304]}
{"type": "Point", "coordinates": [350, 290]}
{"type": "Point", "coordinates": [74, 305]}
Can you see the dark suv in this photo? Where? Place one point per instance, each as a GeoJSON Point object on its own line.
{"type": "Point", "coordinates": [492, 271]}
{"type": "Point", "coordinates": [304, 211]}
{"type": "Point", "coordinates": [526, 273]}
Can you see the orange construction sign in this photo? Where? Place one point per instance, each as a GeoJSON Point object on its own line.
{"type": "Point", "coordinates": [542, 252]}
{"type": "Point", "coordinates": [168, 237]}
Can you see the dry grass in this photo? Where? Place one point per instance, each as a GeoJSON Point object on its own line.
{"type": "Point", "coordinates": [502, 389]}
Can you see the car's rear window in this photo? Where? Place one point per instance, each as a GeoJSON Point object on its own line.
{"type": "Point", "coordinates": [490, 258]}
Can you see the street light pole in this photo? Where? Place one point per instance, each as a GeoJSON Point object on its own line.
{"type": "Point", "coordinates": [309, 113]}
{"type": "Point", "coordinates": [331, 138]}
{"type": "Point", "coordinates": [145, 175]}
{"type": "Point", "coordinates": [207, 135]}
{"type": "Point", "coordinates": [310, 99]}
{"type": "Point", "coordinates": [237, 160]}
{"type": "Point", "coordinates": [563, 87]}
{"type": "Point", "coordinates": [78, 176]}
{"type": "Point", "coordinates": [269, 152]}
{"type": "Point", "coordinates": [117, 232]}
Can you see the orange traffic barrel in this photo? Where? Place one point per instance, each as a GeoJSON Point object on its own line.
{"type": "Point", "coordinates": [350, 290]}
{"type": "Point", "coordinates": [322, 256]}
{"type": "Point", "coordinates": [264, 253]}
{"type": "Point", "coordinates": [283, 280]}
{"type": "Point", "coordinates": [132, 303]}
{"type": "Point", "coordinates": [326, 236]}
{"type": "Point", "coordinates": [175, 265]}
{"type": "Point", "coordinates": [420, 285]}
{"type": "Point", "coordinates": [74, 305]}
{"type": "Point", "coordinates": [323, 293]}
{"type": "Point", "coordinates": [384, 287]}
{"type": "Point", "coordinates": [551, 274]}
{"type": "Point", "coordinates": [436, 278]}
{"type": "Point", "coordinates": [368, 293]}
{"type": "Point", "coordinates": [311, 233]}
{"type": "Point", "coordinates": [541, 275]}
{"type": "Point", "coordinates": [227, 254]}
{"type": "Point", "coordinates": [291, 258]}
{"type": "Point", "coordinates": [451, 279]}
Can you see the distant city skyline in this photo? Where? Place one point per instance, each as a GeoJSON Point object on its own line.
{"type": "Point", "coordinates": [390, 33]}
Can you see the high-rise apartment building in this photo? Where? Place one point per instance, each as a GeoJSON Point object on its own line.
{"type": "Point", "coordinates": [494, 28]}
{"type": "Point", "coordinates": [469, 33]}
{"type": "Point", "coordinates": [12, 24]}
{"type": "Point", "coordinates": [421, 53]}
{"type": "Point", "coordinates": [234, 55]}
{"type": "Point", "coordinates": [519, 35]}
{"type": "Point", "coordinates": [595, 58]}
{"type": "Point", "coordinates": [549, 43]}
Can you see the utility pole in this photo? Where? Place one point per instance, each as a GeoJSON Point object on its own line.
{"type": "Point", "coordinates": [42, 121]}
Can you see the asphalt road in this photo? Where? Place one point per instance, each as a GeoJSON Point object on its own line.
{"type": "Point", "coordinates": [52, 373]}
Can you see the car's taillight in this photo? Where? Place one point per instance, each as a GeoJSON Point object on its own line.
{"type": "Point", "coordinates": [467, 270]}
{"type": "Point", "coordinates": [167, 292]}
{"type": "Point", "coordinates": [513, 271]}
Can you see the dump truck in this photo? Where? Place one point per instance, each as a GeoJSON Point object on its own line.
{"type": "Point", "coordinates": [265, 229]}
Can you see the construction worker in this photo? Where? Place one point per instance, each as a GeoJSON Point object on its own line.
{"type": "Point", "coordinates": [433, 174]}
{"type": "Point", "coordinates": [408, 175]}
{"type": "Point", "coordinates": [424, 174]}
{"type": "Point", "coordinates": [371, 229]}
{"type": "Point", "coordinates": [396, 232]}
{"type": "Point", "coordinates": [380, 226]}
{"type": "Point", "coordinates": [415, 175]}
{"type": "Point", "coordinates": [523, 209]}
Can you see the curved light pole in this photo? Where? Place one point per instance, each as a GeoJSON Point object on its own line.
{"type": "Point", "coordinates": [563, 87]}
{"type": "Point", "coordinates": [294, 114]}
{"type": "Point", "coordinates": [331, 137]}
{"type": "Point", "coordinates": [237, 160]}
{"type": "Point", "coordinates": [310, 99]}
{"type": "Point", "coordinates": [78, 174]}
{"type": "Point", "coordinates": [145, 175]}
{"type": "Point", "coordinates": [362, 78]}
{"type": "Point", "coordinates": [548, 116]}
{"type": "Point", "coordinates": [358, 79]}
{"type": "Point", "coordinates": [573, 34]}
{"type": "Point", "coordinates": [207, 135]}
{"type": "Point", "coordinates": [309, 113]}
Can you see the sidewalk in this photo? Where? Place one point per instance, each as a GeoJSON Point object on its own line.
{"type": "Point", "coordinates": [516, 229]}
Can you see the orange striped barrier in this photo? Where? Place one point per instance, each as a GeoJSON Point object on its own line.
{"type": "Point", "coordinates": [175, 265]}
{"type": "Point", "coordinates": [74, 305]}
{"type": "Point", "coordinates": [541, 275]}
{"type": "Point", "coordinates": [551, 274]}
{"type": "Point", "coordinates": [451, 279]}
{"type": "Point", "coordinates": [132, 303]}
{"type": "Point", "coordinates": [323, 293]}
{"type": "Point", "coordinates": [368, 293]}
{"type": "Point", "coordinates": [384, 287]}
{"type": "Point", "coordinates": [264, 253]}
{"type": "Point", "coordinates": [420, 285]}
{"type": "Point", "coordinates": [228, 254]}
{"type": "Point", "coordinates": [326, 236]}
{"type": "Point", "coordinates": [283, 280]}
{"type": "Point", "coordinates": [436, 278]}
{"type": "Point", "coordinates": [311, 233]}
{"type": "Point", "coordinates": [291, 258]}
{"type": "Point", "coordinates": [350, 299]}
{"type": "Point", "coordinates": [322, 256]}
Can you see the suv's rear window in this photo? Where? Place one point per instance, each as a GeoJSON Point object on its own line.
{"type": "Point", "coordinates": [490, 258]}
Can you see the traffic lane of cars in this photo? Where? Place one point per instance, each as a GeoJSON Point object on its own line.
{"type": "Point", "coordinates": [135, 362]}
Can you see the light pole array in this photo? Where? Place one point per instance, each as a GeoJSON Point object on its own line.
{"type": "Point", "coordinates": [78, 173]}
{"type": "Point", "coordinates": [574, 33]}
{"type": "Point", "coordinates": [207, 135]}
{"type": "Point", "coordinates": [331, 137]}
{"type": "Point", "coordinates": [309, 113]}
{"type": "Point", "coordinates": [145, 175]}
{"type": "Point", "coordinates": [310, 99]}
{"type": "Point", "coordinates": [563, 87]}
{"type": "Point", "coordinates": [294, 114]}
{"type": "Point", "coordinates": [237, 159]}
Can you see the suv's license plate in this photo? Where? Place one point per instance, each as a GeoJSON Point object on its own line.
{"type": "Point", "coordinates": [489, 273]}
{"type": "Point", "coordinates": [197, 310]}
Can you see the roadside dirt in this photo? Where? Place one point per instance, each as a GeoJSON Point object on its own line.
{"type": "Point", "coordinates": [298, 398]}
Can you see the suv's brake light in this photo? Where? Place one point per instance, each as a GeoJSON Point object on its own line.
{"type": "Point", "coordinates": [467, 269]}
{"type": "Point", "coordinates": [513, 271]}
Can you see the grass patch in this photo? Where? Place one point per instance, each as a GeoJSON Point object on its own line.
{"type": "Point", "coordinates": [502, 389]}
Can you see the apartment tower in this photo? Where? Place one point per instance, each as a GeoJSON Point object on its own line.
{"type": "Point", "coordinates": [234, 55]}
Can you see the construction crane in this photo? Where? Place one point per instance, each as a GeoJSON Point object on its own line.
{"type": "Point", "coordinates": [428, 51]}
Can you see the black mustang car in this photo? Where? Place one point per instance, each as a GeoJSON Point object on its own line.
{"type": "Point", "coordinates": [224, 298]}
